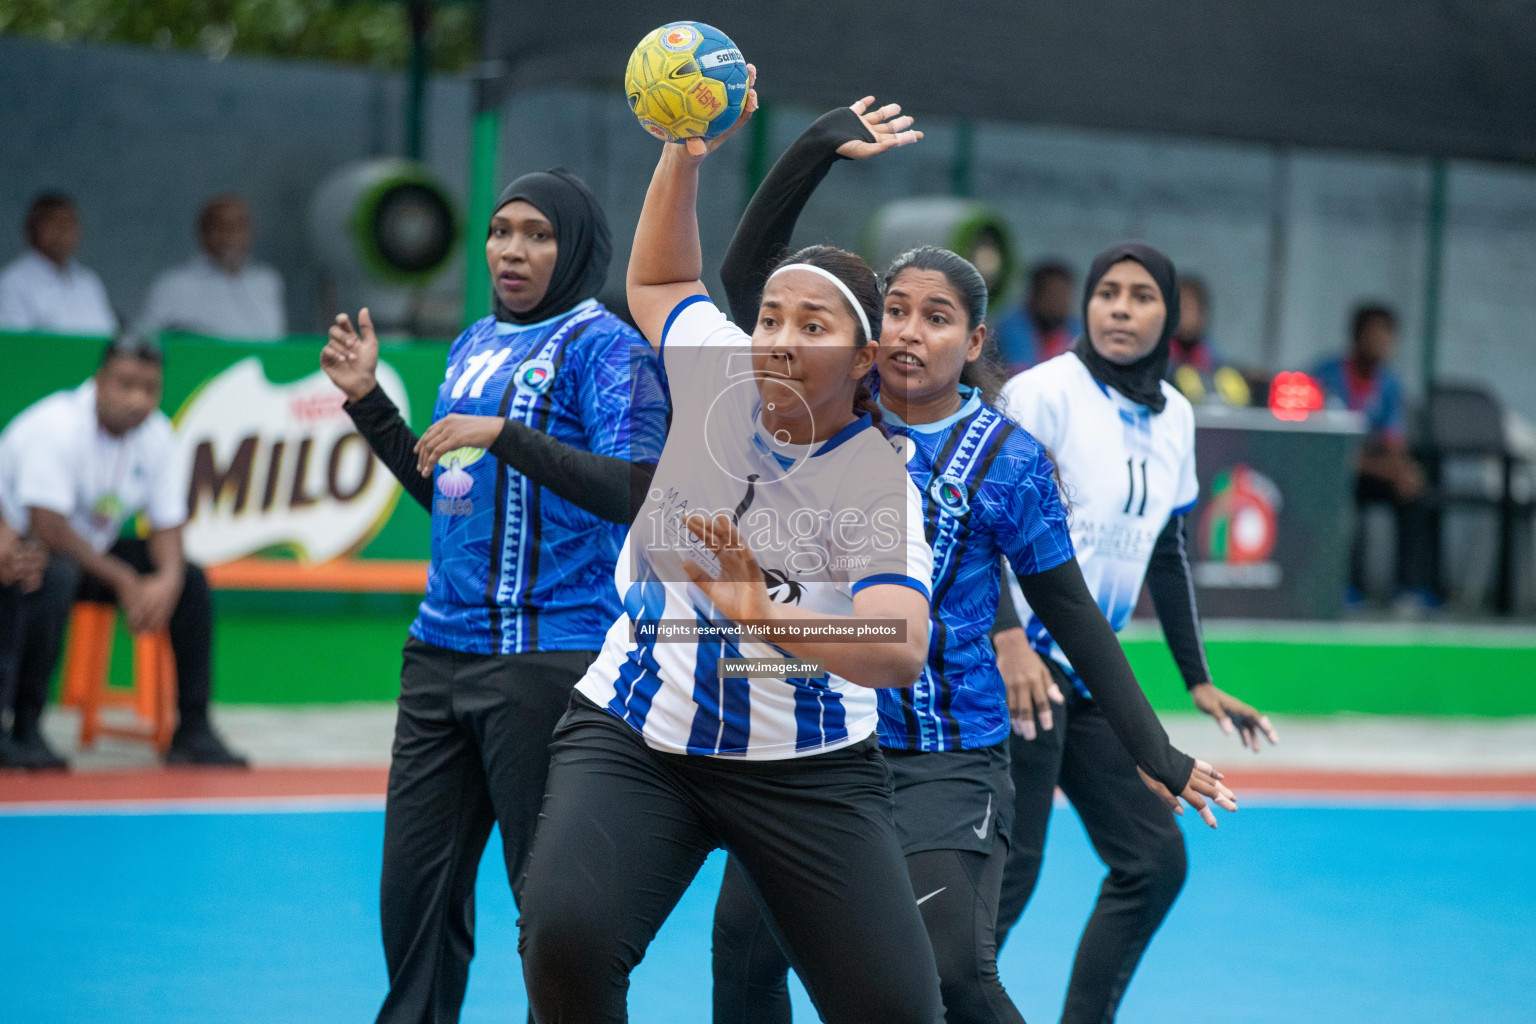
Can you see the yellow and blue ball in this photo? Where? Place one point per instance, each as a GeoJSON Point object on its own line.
{"type": "Point", "coordinates": [686, 80]}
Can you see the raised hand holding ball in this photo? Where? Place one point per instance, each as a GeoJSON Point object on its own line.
{"type": "Point", "coordinates": [686, 80]}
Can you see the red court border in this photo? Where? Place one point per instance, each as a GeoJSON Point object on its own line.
{"type": "Point", "coordinates": [170, 784]}
{"type": "Point", "coordinates": [353, 782]}
{"type": "Point", "coordinates": [1312, 780]}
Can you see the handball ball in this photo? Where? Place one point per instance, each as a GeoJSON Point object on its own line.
{"type": "Point", "coordinates": [686, 80]}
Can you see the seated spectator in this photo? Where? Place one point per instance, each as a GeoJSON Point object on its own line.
{"type": "Point", "coordinates": [45, 288]}
{"type": "Point", "coordinates": [73, 468]}
{"type": "Point", "coordinates": [1364, 382]}
{"type": "Point", "coordinates": [1042, 326]}
{"type": "Point", "coordinates": [21, 561]}
{"type": "Point", "coordinates": [1194, 365]}
{"type": "Point", "coordinates": [220, 292]}
{"type": "Point", "coordinates": [1191, 343]}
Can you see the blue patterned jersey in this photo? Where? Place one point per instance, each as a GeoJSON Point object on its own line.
{"type": "Point", "coordinates": [988, 491]}
{"type": "Point", "coordinates": [514, 567]}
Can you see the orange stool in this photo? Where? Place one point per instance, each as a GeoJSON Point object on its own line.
{"type": "Point", "coordinates": [152, 697]}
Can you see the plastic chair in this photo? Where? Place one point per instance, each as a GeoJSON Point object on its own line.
{"type": "Point", "coordinates": [1470, 466]}
{"type": "Point", "coordinates": [87, 662]}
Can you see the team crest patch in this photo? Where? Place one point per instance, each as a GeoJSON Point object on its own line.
{"type": "Point", "coordinates": [950, 494]}
{"type": "Point", "coordinates": [679, 38]}
{"type": "Point", "coordinates": [536, 375]}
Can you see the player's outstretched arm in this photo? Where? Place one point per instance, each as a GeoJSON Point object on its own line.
{"type": "Point", "coordinates": [1069, 613]}
{"type": "Point", "coordinates": [1172, 586]}
{"type": "Point", "coordinates": [853, 132]}
{"type": "Point", "coordinates": [666, 264]}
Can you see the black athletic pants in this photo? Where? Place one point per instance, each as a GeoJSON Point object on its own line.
{"type": "Point", "coordinates": [1134, 833]}
{"type": "Point", "coordinates": [1415, 543]}
{"type": "Point", "coordinates": [953, 810]}
{"type": "Point", "coordinates": [471, 750]}
{"type": "Point", "coordinates": [958, 900]}
{"type": "Point", "coordinates": [625, 829]}
{"type": "Point", "coordinates": [32, 636]}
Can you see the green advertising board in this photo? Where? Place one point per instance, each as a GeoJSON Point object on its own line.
{"type": "Point", "coordinates": [282, 425]}
{"type": "Point", "coordinates": [315, 609]}
{"type": "Point", "coordinates": [286, 603]}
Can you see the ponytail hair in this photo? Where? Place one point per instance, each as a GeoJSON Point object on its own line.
{"type": "Point", "coordinates": [984, 373]}
{"type": "Point", "coordinates": [864, 401]}
{"type": "Point", "coordinates": [853, 272]}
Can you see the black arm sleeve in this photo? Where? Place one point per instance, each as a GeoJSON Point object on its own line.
{"type": "Point", "coordinates": [392, 440]}
{"type": "Point", "coordinates": [609, 488]}
{"type": "Point", "coordinates": [1067, 610]}
{"type": "Point", "coordinates": [1173, 595]}
{"type": "Point", "coordinates": [764, 231]}
{"type": "Point", "coordinates": [1007, 615]}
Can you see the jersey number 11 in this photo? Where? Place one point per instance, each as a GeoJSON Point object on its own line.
{"type": "Point", "coordinates": [1130, 499]}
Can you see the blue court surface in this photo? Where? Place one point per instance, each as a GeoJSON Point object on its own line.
{"type": "Point", "coordinates": [1292, 913]}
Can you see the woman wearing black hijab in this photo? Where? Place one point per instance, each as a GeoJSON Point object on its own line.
{"type": "Point", "coordinates": [1124, 446]}
{"type": "Point", "coordinates": [550, 417]}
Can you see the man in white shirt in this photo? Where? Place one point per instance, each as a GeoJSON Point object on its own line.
{"type": "Point", "coordinates": [74, 467]}
{"type": "Point", "coordinates": [220, 292]}
{"type": "Point", "coordinates": [45, 288]}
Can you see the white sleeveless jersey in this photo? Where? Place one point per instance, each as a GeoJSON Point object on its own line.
{"type": "Point", "coordinates": [1124, 473]}
{"type": "Point", "coordinates": [823, 520]}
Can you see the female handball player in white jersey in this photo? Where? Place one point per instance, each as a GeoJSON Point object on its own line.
{"type": "Point", "coordinates": [1124, 447]}
{"type": "Point", "coordinates": [667, 754]}
{"type": "Point", "coordinates": [988, 491]}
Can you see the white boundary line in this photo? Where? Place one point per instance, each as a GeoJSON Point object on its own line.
{"type": "Point", "coordinates": [1364, 800]}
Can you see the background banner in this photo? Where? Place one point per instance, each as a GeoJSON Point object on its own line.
{"type": "Point", "coordinates": [1270, 536]}
{"type": "Point", "coordinates": [284, 494]}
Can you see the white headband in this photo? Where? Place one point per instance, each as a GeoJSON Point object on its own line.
{"type": "Point", "coordinates": [858, 310]}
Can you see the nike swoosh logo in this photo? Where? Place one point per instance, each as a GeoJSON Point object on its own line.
{"type": "Point", "coordinates": [986, 820]}
{"type": "Point", "coordinates": [931, 895]}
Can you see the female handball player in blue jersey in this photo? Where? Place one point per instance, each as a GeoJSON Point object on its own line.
{"type": "Point", "coordinates": [1124, 447]}
{"type": "Point", "coordinates": [988, 492]}
{"type": "Point", "coordinates": [668, 751]}
{"type": "Point", "coordinates": [550, 412]}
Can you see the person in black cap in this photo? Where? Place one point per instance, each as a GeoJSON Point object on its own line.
{"type": "Point", "coordinates": [1123, 440]}
{"type": "Point", "coordinates": [548, 423]}
{"type": "Point", "coordinates": [74, 467]}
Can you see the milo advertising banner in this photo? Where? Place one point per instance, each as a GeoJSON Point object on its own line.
{"type": "Point", "coordinates": [280, 467]}
{"type": "Point", "coordinates": [284, 494]}
{"type": "Point", "coordinates": [1270, 536]}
